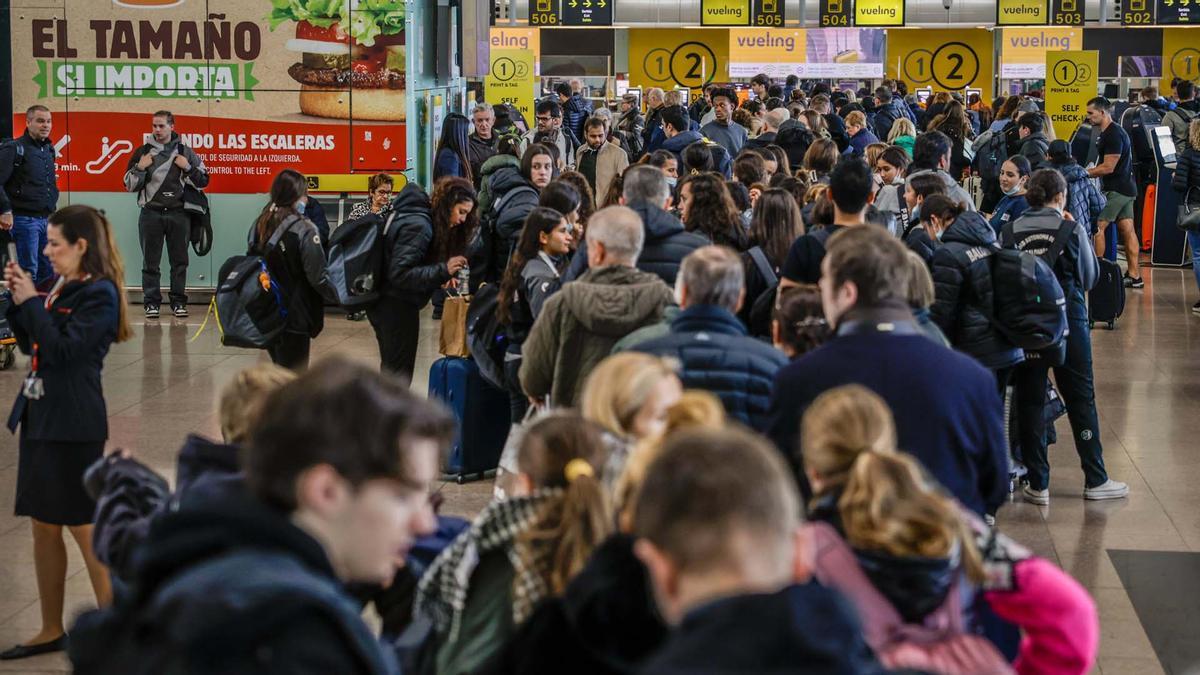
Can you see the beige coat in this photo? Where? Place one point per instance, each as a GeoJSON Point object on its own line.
{"type": "Point", "coordinates": [611, 162]}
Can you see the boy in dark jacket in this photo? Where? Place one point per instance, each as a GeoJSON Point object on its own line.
{"type": "Point", "coordinates": [337, 474]}
{"type": "Point", "coordinates": [730, 595]}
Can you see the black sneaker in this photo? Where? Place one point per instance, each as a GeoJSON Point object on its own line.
{"type": "Point", "coordinates": [1196, 308]}
{"type": "Point", "coordinates": [151, 311]}
{"type": "Point", "coordinates": [1131, 282]}
{"type": "Point", "coordinates": [180, 311]}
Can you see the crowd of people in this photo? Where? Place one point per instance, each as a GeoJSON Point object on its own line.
{"type": "Point", "coordinates": [764, 382]}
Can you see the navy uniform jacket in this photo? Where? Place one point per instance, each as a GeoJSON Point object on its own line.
{"type": "Point", "coordinates": [73, 336]}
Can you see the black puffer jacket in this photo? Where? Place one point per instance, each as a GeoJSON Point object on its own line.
{"type": "Point", "coordinates": [411, 277]}
{"type": "Point", "coordinates": [963, 292]}
{"type": "Point", "coordinates": [1187, 177]}
{"type": "Point", "coordinates": [663, 251]}
{"type": "Point", "coordinates": [513, 198]}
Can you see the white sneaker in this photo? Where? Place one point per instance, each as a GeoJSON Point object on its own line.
{"type": "Point", "coordinates": [1039, 497]}
{"type": "Point", "coordinates": [1111, 489]}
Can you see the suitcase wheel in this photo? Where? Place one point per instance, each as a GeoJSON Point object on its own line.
{"type": "Point", "coordinates": [1091, 324]}
{"type": "Point", "coordinates": [460, 479]}
{"type": "Point", "coordinates": [7, 357]}
{"type": "Point", "coordinates": [1112, 325]}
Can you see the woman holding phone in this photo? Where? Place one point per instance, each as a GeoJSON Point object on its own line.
{"type": "Point", "coordinates": [60, 409]}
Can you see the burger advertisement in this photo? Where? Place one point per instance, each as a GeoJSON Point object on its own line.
{"type": "Point", "coordinates": [256, 86]}
{"type": "Point", "coordinates": [343, 45]}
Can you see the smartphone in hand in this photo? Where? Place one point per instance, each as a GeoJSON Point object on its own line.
{"type": "Point", "coordinates": [12, 252]}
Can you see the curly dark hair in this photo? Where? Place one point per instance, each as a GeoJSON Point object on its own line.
{"type": "Point", "coordinates": [451, 241]}
{"type": "Point", "coordinates": [712, 212]}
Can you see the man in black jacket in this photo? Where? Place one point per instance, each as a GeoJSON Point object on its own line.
{"type": "Point", "coordinates": [337, 475]}
{"type": "Point", "coordinates": [716, 525]}
{"type": "Point", "coordinates": [666, 244]}
{"type": "Point", "coordinates": [28, 193]}
{"type": "Point", "coordinates": [156, 173]}
{"type": "Point", "coordinates": [481, 144]}
{"type": "Point", "coordinates": [947, 408]}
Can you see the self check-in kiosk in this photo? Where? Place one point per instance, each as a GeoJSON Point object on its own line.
{"type": "Point", "coordinates": [1169, 245]}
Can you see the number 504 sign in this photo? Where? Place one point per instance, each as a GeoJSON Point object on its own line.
{"type": "Point", "coordinates": [511, 79]}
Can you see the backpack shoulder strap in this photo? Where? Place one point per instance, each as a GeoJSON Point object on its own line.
{"type": "Point", "coordinates": [1065, 230]}
{"type": "Point", "coordinates": [764, 266]}
{"type": "Point", "coordinates": [1007, 238]}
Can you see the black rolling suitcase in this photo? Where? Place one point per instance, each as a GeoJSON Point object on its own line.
{"type": "Point", "coordinates": [482, 413]}
{"type": "Point", "coordinates": [1106, 302]}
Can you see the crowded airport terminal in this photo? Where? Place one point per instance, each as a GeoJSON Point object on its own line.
{"type": "Point", "coordinates": [600, 337]}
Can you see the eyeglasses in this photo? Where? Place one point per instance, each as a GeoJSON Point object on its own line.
{"type": "Point", "coordinates": [543, 118]}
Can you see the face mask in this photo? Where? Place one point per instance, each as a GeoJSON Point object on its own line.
{"type": "Point", "coordinates": [672, 181]}
{"type": "Point", "coordinates": [300, 206]}
{"type": "Point", "coordinates": [1015, 189]}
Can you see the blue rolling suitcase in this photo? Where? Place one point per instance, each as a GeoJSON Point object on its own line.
{"type": "Point", "coordinates": [482, 412]}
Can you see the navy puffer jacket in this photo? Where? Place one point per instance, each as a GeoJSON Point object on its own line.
{"type": "Point", "coordinates": [963, 298]}
{"type": "Point", "coordinates": [717, 355]}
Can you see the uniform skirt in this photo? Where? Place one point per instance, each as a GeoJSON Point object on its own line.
{"type": "Point", "coordinates": [50, 481]}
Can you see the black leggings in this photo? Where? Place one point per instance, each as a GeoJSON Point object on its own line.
{"type": "Point", "coordinates": [518, 403]}
{"type": "Point", "coordinates": [291, 351]}
{"type": "Point", "coordinates": [397, 329]}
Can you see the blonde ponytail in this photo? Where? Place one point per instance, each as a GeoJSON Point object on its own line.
{"type": "Point", "coordinates": [888, 505]}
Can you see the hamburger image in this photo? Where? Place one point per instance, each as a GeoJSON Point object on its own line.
{"type": "Point", "coordinates": [355, 45]}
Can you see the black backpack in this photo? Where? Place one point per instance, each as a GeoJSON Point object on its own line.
{"type": "Point", "coordinates": [763, 309]}
{"type": "Point", "coordinates": [249, 303]}
{"type": "Point", "coordinates": [358, 259]}
{"type": "Point", "coordinates": [487, 338]}
{"type": "Point", "coordinates": [1029, 307]}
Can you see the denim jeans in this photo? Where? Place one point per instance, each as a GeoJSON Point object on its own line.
{"type": "Point", "coordinates": [1076, 386]}
{"type": "Point", "coordinates": [1193, 237]}
{"type": "Point", "coordinates": [29, 234]}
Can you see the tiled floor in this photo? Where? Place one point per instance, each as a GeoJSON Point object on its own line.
{"type": "Point", "coordinates": [163, 384]}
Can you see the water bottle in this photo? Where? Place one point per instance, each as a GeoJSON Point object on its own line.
{"type": "Point", "coordinates": [464, 277]}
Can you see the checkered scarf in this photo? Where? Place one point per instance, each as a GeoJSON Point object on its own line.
{"type": "Point", "coordinates": [442, 591]}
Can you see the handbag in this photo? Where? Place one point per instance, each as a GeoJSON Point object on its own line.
{"type": "Point", "coordinates": [452, 341]}
{"type": "Point", "coordinates": [507, 470]}
{"type": "Point", "coordinates": [1189, 216]}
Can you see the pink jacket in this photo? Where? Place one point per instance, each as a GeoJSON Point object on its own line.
{"type": "Point", "coordinates": [1057, 616]}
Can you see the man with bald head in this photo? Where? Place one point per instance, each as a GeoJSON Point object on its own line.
{"type": "Point", "coordinates": [580, 324]}
{"type": "Point", "coordinates": [773, 120]}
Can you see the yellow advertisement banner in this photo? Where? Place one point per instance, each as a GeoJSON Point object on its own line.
{"type": "Point", "coordinates": [1022, 13]}
{"type": "Point", "coordinates": [511, 80]}
{"type": "Point", "coordinates": [1181, 56]}
{"type": "Point", "coordinates": [518, 38]}
{"type": "Point", "coordinates": [942, 59]}
{"type": "Point", "coordinates": [774, 52]}
{"type": "Point", "coordinates": [1071, 81]}
{"type": "Point", "coordinates": [1023, 50]}
{"type": "Point", "coordinates": [724, 12]}
{"type": "Point", "coordinates": [669, 58]}
{"type": "Point", "coordinates": [879, 13]}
